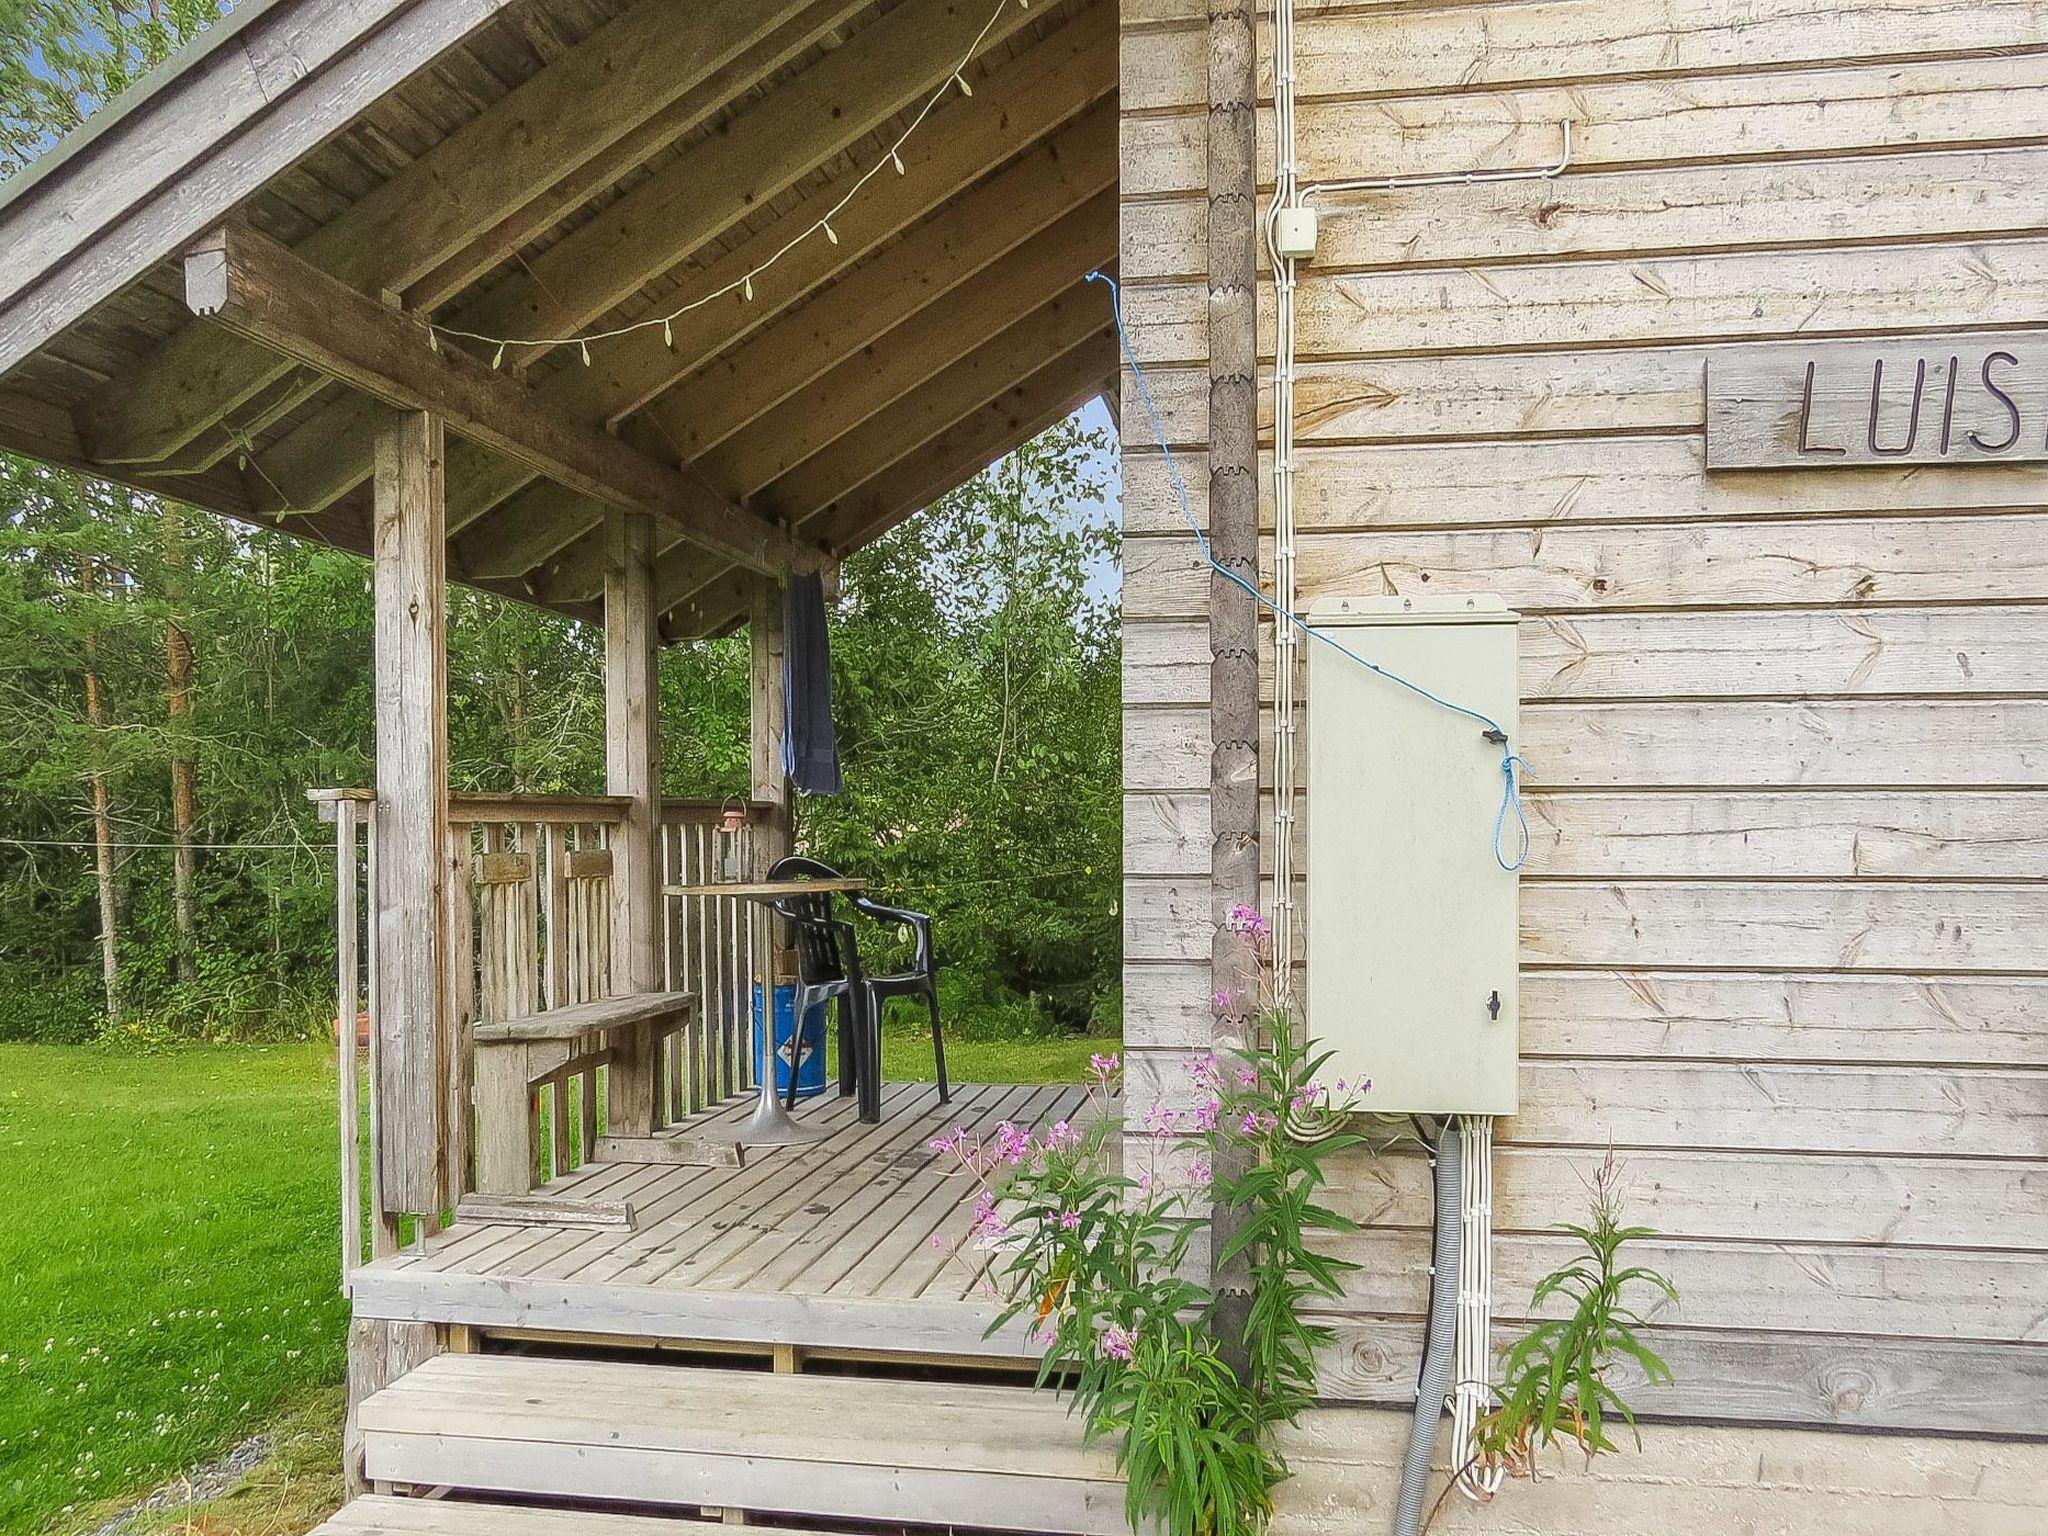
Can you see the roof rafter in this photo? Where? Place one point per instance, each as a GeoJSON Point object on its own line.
{"type": "Point", "coordinates": [260, 290]}
{"type": "Point", "coordinates": [1029, 98]}
{"type": "Point", "coordinates": [878, 372]}
{"type": "Point", "coordinates": [244, 101]}
{"type": "Point", "coordinates": [638, 69]}
{"type": "Point", "coordinates": [900, 413]}
{"type": "Point", "coordinates": [896, 60]}
{"type": "Point", "coordinates": [718, 604]}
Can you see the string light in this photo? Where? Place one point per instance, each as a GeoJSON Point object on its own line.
{"type": "Point", "coordinates": [744, 283]}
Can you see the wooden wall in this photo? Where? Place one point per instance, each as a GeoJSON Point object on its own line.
{"type": "Point", "coordinates": [1786, 925]}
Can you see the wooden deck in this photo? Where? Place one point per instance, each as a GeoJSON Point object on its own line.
{"type": "Point", "coordinates": [851, 1243]}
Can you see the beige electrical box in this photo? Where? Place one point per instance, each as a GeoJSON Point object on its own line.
{"type": "Point", "coordinates": [1413, 925]}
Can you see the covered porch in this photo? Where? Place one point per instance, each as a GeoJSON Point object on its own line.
{"type": "Point", "coordinates": [632, 313]}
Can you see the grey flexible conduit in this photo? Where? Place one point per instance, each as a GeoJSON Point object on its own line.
{"type": "Point", "coordinates": [1443, 1327]}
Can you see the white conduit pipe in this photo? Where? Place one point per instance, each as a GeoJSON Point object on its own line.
{"type": "Point", "coordinates": [1286, 640]}
{"type": "Point", "coordinates": [1472, 1372]}
{"type": "Point", "coordinates": [1473, 1365]}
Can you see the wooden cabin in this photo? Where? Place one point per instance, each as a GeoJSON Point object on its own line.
{"type": "Point", "coordinates": [624, 310]}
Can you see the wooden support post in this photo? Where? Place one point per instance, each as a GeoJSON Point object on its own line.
{"type": "Point", "coordinates": [411, 667]}
{"type": "Point", "coordinates": [379, 1352]}
{"type": "Point", "coordinates": [776, 835]}
{"type": "Point", "coordinates": [1233, 618]}
{"type": "Point", "coordinates": [632, 756]}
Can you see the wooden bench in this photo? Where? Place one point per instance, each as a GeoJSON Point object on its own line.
{"type": "Point", "coordinates": [519, 1058]}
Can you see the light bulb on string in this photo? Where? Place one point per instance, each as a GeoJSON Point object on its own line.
{"type": "Point", "coordinates": [745, 286]}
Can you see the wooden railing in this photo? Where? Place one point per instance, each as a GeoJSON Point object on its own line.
{"type": "Point", "coordinates": [530, 913]}
{"type": "Point", "coordinates": [715, 946]}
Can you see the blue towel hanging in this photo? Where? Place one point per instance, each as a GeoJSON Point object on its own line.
{"type": "Point", "coordinates": [810, 745]}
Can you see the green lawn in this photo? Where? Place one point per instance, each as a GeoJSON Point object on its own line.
{"type": "Point", "coordinates": [168, 1269]}
{"type": "Point", "coordinates": [167, 1260]}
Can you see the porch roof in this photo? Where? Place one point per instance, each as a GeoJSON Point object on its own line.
{"type": "Point", "coordinates": [217, 290]}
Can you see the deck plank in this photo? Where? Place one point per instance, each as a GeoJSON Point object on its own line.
{"type": "Point", "coordinates": [826, 1245]}
{"type": "Point", "coordinates": [791, 1201]}
{"type": "Point", "coordinates": [726, 1202]}
{"type": "Point", "coordinates": [777, 1260]}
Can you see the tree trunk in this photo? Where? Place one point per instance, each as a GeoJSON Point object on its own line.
{"type": "Point", "coordinates": [1233, 617]}
{"type": "Point", "coordinates": [102, 820]}
{"type": "Point", "coordinates": [178, 705]}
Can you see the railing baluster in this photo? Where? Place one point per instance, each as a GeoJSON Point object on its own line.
{"type": "Point", "coordinates": [347, 1009]}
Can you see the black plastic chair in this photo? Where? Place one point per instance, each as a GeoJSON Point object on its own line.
{"type": "Point", "coordinates": [828, 966]}
{"type": "Point", "coordinates": [921, 980]}
{"type": "Point", "coordinates": [828, 970]}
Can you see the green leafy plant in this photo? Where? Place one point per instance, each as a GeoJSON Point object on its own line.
{"type": "Point", "coordinates": [1557, 1385]}
{"type": "Point", "coordinates": [1093, 1254]}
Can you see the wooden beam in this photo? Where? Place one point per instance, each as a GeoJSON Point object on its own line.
{"type": "Point", "coordinates": [949, 253]}
{"type": "Point", "coordinates": [409, 647]}
{"type": "Point", "coordinates": [258, 90]}
{"type": "Point", "coordinates": [767, 700]}
{"type": "Point", "coordinates": [261, 290]}
{"type": "Point", "coordinates": [632, 757]}
{"type": "Point", "coordinates": [1233, 309]}
{"type": "Point", "coordinates": [1030, 99]}
{"type": "Point", "coordinates": [700, 601]}
{"type": "Point", "coordinates": [561, 121]}
{"type": "Point", "coordinates": [322, 458]}
{"type": "Point", "coordinates": [895, 429]}
{"type": "Point", "coordinates": [1063, 322]}
{"type": "Point", "coordinates": [760, 153]}
{"type": "Point", "coordinates": [1016, 416]}
{"type": "Point", "coordinates": [886, 367]}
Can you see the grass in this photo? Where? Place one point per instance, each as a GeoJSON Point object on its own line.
{"type": "Point", "coordinates": [168, 1264]}
{"type": "Point", "coordinates": [168, 1272]}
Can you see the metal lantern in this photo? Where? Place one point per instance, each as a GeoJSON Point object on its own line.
{"type": "Point", "coordinates": [726, 839]}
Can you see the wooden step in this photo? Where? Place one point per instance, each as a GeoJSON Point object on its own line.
{"type": "Point", "coordinates": [381, 1515]}
{"type": "Point", "coordinates": [867, 1448]}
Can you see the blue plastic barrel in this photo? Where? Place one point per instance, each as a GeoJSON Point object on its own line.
{"type": "Point", "coordinates": [810, 1049]}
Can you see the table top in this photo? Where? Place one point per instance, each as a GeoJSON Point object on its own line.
{"type": "Point", "coordinates": [769, 890]}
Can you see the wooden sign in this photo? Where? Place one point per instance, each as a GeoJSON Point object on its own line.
{"type": "Point", "coordinates": [1957, 400]}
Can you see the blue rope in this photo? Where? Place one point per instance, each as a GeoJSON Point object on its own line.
{"type": "Point", "coordinates": [1512, 765]}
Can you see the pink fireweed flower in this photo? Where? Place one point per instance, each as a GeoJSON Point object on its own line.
{"type": "Point", "coordinates": [1161, 1121]}
{"type": "Point", "coordinates": [1207, 1113]}
{"type": "Point", "coordinates": [951, 1143]}
{"type": "Point", "coordinates": [1069, 1220]}
{"type": "Point", "coordinates": [1257, 1122]}
{"type": "Point", "coordinates": [1062, 1135]}
{"type": "Point", "coordinates": [1119, 1343]}
{"type": "Point", "coordinates": [1222, 1000]}
{"type": "Point", "coordinates": [1103, 1068]}
{"type": "Point", "coordinates": [1012, 1145]}
{"type": "Point", "coordinates": [1200, 1171]}
{"type": "Point", "coordinates": [1204, 1071]}
{"type": "Point", "coordinates": [986, 1222]}
{"type": "Point", "coordinates": [1247, 1077]}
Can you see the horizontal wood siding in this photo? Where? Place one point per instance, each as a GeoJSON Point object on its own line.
{"type": "Point", "coordinates": [1785, 923]}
